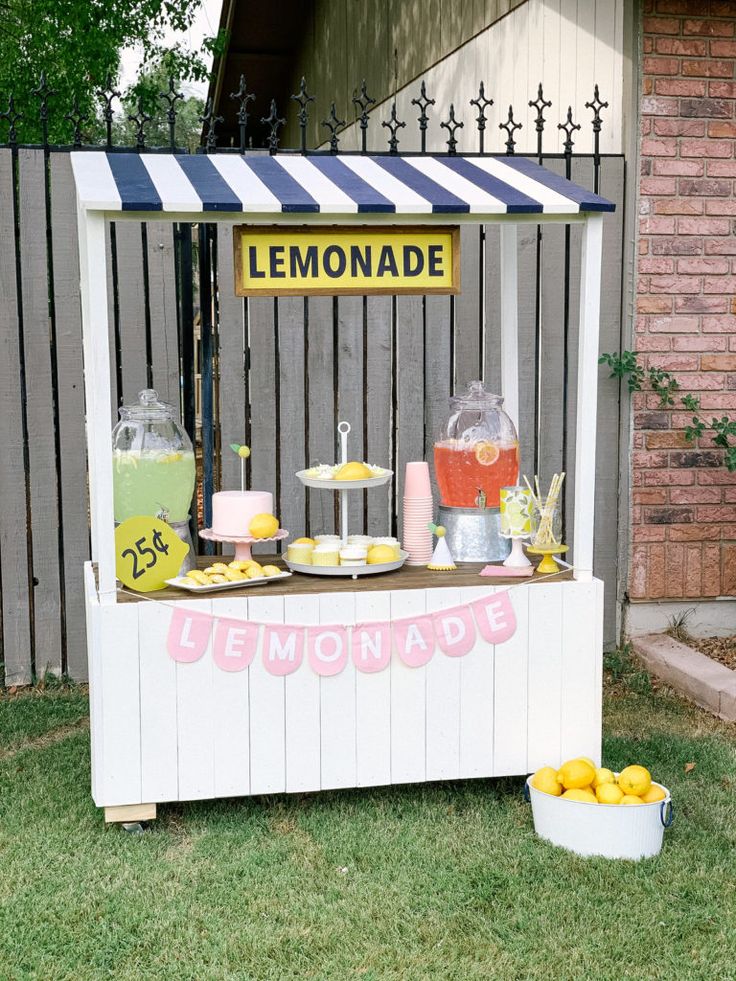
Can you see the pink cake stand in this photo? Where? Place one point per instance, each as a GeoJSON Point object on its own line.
{"type": "Point", "coordinates": [242, 545]}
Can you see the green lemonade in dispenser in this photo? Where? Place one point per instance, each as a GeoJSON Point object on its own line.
{"type": "Point", "coordinates": [153, 462]}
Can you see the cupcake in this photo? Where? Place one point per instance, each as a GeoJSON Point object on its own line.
{"type": "Point", "coordinates": [300, 553]}
{"type": "Point", "coordinates": [325, 554]}
{"type": "Point", "coordinates": [353, 555]}
{"type": "Point", "coordinates": [327, 540]}
{"type": "Point", "coordinates": [363, 541]}
{"type": "Point", "coordinates": [392, 542]}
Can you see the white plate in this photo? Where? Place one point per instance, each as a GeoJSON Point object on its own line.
{"type": "Point", "coordinates": [215, 587]}
{"type": "Point", "coordinates": [347, 570]}
{"type": "Point", "coordinates": [333, 485]}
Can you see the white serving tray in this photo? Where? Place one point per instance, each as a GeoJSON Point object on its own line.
{"type": "Point", "coordinates": [216, 587]}
{"type": "Point", "coordinates": [347, 570]}
{"type": "Point", "coordinates": [336, 485]}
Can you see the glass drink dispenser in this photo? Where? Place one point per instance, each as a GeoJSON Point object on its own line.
{"type": "Point", "coordinates": [476, 454]}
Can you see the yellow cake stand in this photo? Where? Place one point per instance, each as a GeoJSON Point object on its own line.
{"type": "Point", "coordinates": [547, 566]}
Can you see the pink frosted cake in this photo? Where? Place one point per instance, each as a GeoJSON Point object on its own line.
{"type": "Point", "coordinates": [232, 511]}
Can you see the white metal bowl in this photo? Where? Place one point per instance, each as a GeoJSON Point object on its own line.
{"type": "Point", "coordinates": [335, 485]}
{"type": "Point", "coordinates": [355, 571]}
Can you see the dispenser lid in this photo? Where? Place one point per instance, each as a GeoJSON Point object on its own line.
{"type": "Point", "coordinates": [476, 397]}
{"type": "Point", "coordinates": [147, 408]}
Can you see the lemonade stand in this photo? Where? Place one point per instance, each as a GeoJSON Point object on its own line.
{"type": "Point", "coordinates": [309, 683]}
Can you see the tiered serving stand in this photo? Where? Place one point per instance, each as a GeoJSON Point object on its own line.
{"type": "Point", "coordinates": [343, 487]}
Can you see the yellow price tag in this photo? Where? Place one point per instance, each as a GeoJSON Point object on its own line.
{"type": "Point", "coordinates": [147, 553]}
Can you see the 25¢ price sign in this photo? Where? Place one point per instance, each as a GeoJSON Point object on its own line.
{"type": "Point", "coordinates": [147, 553]}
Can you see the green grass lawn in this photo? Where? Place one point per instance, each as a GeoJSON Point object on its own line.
{"type": "Point", "coordinates": [435, 881]}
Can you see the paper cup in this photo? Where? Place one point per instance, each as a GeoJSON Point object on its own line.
{"type": "Point", "coordinates": [416, 480]}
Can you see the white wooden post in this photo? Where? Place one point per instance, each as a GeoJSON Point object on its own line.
{"type": "Point", "coordinates": [93, 282]}
{"type": "Point", "coordinates": [510, 322]}
{"type": "Point", "coordinates": [587, 403]}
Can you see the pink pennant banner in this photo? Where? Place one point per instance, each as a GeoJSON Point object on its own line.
{"type": "Point", "coordinates": [189, 634]}
{"type": "Point", "coordinates": [455, 631]}
{"type": "Point", "coordinates": [371, 646]}
{"type": "Point", "coordinates": [235, 644]}
{"type": "Point", "coordinates": [414, 640]}
{"type": "Point", "coordinates": [495, 617]}
{"type": "Point", "coordinates": [283, 648]}
{"type": "Point", "coordinates": [327, 649]}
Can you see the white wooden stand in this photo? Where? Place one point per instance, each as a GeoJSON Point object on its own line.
{"type": "Point", "coordinates": [163, 731]}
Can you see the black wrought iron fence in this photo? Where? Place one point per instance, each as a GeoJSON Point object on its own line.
{"type": "Point", "coordinates": [277, 373]}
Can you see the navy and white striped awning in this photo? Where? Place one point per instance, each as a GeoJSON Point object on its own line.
{"type": "Point", "coordinates": [338, 186]}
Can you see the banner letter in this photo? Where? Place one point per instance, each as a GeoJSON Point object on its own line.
{"type": "Point", "coordinates": [495, 617]}
{"type": "Point", "coordinates": [189, 634]}
{"type": "Point", "coordinates": [371, 646]}
{"type": "Point", "coordinates": [455, 631]}
{"type": "Point", "coordinates": [282, 648]}
{"type": "Point", "coordinates": [235, 644]}
{"type": "Point", "coordinates": [414, 639]}
{"type": "Point", "coordinates": [328, 649]}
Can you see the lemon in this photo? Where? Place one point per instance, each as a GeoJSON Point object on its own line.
{"type": "Point", "coordinates": [583, 794]}
{"type": "Point", "coordinates": [244, 452]}
{"type": "Point", "coordinates": [575, 774]}
{"type": "Point", "coordinates": [353, 471]}
{"type": "Point", "coordinates": [652, 795]}
{"type": "Point", "coordinates": [602, 775]}
{"type": "Point", "coordinates": [546, 781]}
{"type": "Point", "coordinates": [304, 541]}
{"type": "Point", "coordinates": [263, 526]}
{"type": "Point", "coordinates": [586, 759]}
{"type": "Point", "coordinates": [380, 554]}
{"type": "Point", "coordinates": [635, 780]}
{"type": "Point", "coordinates": [271, 570]}
{"type": "Point", "coordinates": [608, 793]}
{"type": "Point", "coordinates": [255, 571]}
{"type": "Point", "coordinates": [631, 799]}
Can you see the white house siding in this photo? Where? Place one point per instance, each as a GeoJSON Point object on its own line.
{"type": "Point", "coordinates": [512, 57]}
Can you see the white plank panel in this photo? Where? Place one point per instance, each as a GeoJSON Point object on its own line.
{"type": "Point", "coordinates": [408, 700]}
{"type": "Point", "coordinates": [337, 703]}
{"type": "Point", "coordinates": [92, 625]}
{"type": "Point", "coordinates": [159, 743]}
{"type": "Point", "coordinates": [510, 692]}
{"type": "Point", "coordinates": [267, 714]}
{"type": "Point", "coordinates": [195, 720]}
{"type": "Point", "coordinates": [116, 673]}
{"type": "Point", "coordinates": [580, 731]}
{"type": "Point", "coordinates": [443, 700]}
{"type": "Point", "coordinates": [373, 702]}
{"type": "Point", "coordinates": [545, 675]}
{"type": "Point", "coordinates": [476, 700]}
{"type": "Point", "coordinates": [231, 713]}
{"type": "Point", "coordinates": [302, 688]}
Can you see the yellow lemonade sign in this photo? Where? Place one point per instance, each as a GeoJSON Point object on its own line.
{"type": "Point", "coordinates": [284, 261]}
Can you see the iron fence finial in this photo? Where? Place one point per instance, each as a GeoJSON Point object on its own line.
{"type": "Point", "coordinates": [171, 97]}
{"type": "Point", "coordinates": [334, 125]}
{"type": "Point", "coordinates": [140, 119]}
{"type": "Point", "coordinates": [481, 103]}
{"type": "Point", "coordinates": [44, 92]}
{"type": "Point", "coordinates": [363, 103]}
{"type": "Point", "coordinates": [303, 99]}
{"type": "Point", "coordinates": [393, 125]}
{"type": "Point", "coordinates": [107, 95]}
{"type": "Point", "coordinates": [12, 115]}
{"type": "Point", "coordinates": [510, 126]}
{"type": "Point", "coordinates": [244, 97]}
{"type": "Point", "coordinates": [423, 103]}
{"type": "Point", "coordinates": [274, 121]}
{"type": "Point", "coordinates": [76, 116]}
{"type": "Point", "coordinates": [210, 121]}
{"type": "Point", "coordinates": [452, 125]}
{"type": "Point", "coordinates": [568, 127]}
{"type": "Point", "coordinates": [540, 104]}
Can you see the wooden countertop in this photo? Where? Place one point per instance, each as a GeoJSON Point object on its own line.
{"type": "Point", "coordinates": [408, 577]}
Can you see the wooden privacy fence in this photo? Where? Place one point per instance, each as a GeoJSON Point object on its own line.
{"type": "Point", "coordinates": [283, 373]}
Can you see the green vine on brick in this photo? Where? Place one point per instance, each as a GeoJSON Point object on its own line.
{"type": "Point", "coordinates": [625, 366]}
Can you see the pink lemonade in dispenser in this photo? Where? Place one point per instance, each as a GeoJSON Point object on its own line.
{"type": "Point", "coordinates": [478, 451]}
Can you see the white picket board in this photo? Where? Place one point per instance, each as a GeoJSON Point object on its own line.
{"type": "Point", "coordinates": [408, 700]}
{"type": "Point", "coordinates": [545, 676]}
{"type": "Point", "coordinates": [302, 730]}
{"type": "Point", "coordinates": [195, 720]}
{"type": "Point", "coordinates": [476, 699]}
{"type": "Point", "coordinates": [231, 708]}
{"type": "Point", "coordinates": [582, 655]}
{"type": "Point", "coordinates": [443, 700]}
{"type": "Point", "coordinates": [337, 702]}
{"type": "Point", "coordinates": [510, 692]}
{"type": "Point", "coordinates": [117, 724]}
{"type": "Point", "coordinates": [373, 702]}
{"type": "Point", "coordinates": [159, 722]}
{"type": "Point", "coordinates": [92, 625]}
{"type": "Point", "coordinates": [267, 713]}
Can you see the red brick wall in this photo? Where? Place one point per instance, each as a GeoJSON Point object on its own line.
{"type": "Point", "coordinates": [684, 500]}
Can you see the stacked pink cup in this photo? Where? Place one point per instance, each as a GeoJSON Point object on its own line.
{"type": "Point", "coordinates": [418, 513]}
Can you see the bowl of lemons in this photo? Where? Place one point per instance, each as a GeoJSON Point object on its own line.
{"type": "Point", "coordinates": [591, 810]}
{"type": "Point", "coordinates": [352, 475]}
